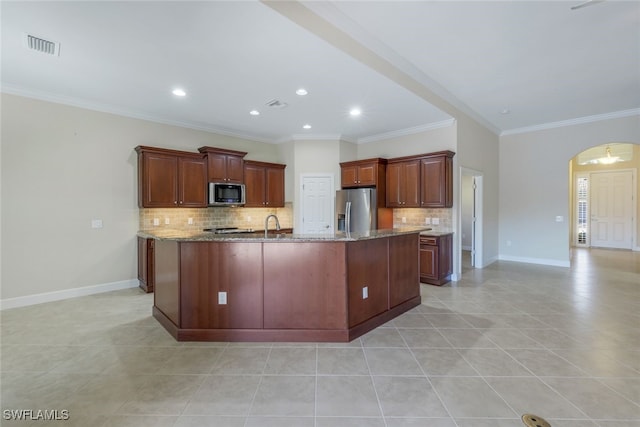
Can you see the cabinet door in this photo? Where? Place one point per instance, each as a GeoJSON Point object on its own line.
{"type": "Point", "coordinates": [274, 187]}
{"type": "Point", "coordinates": [349, 176]}
{"type": "Point", "coordinates": [394, 197]}
{"type": "Point", "coordinates": [192, 182]}
{"type": "Point", "coordinates": [367, 278]}
{"type": "Point", "coordinates": [403, 189]}
{"type": "Point", "coordinates": [428, 262]}
{"type": "Point", "coordinates": [436, 178]}
{"type": "Point", "coordinates": [254, 186]}
{"type": "Point", "coordinates": [159, 180]}
{"type": "Point", "coordinates": [217, 167]}
{"type": "Point", "coordinates": [235, 169]}
{"type": "Point", "coordinates": [146, 264]}
{"type": "Point", "coordinates": [411, 184]}
{"type": "Point", "coordinates": [367, 175]}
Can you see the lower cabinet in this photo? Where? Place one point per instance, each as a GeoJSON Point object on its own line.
{"type": "Point", "coordinates": [146, 264]}
{"type": "Point", "coordinates": [436, 255]}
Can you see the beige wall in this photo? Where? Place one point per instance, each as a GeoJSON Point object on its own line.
{"type": "Point", "coordinates": [64, 166]}
{"type": "Point", "coordinates": [478, 150]}
{"type": "Point", "coordinates": [534, 186]}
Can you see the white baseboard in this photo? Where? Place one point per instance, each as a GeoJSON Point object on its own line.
{"type": "Point", "coordinates": [66, 294]}
{"type": "Point", "coordinates": [542, 261]}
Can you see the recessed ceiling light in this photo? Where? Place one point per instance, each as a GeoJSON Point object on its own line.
{"type": "Point", "coordinates": [306, 127]}
{"type": "Point", "coordinates": [179, 92]}
{"type": "Point", "coordinates": [505, 111]}
{"type": "Point", "coordinates": [355, 112]}
{"type": "Point", "coordinates": [301, 92]}
{"type": "Point", "coordinates": [254, 112]}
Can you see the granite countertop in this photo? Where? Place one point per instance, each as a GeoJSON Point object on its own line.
{"type": "Point", "coordinates": [435, 233]}
{"type": "Point", "coordinates": [206, 236]}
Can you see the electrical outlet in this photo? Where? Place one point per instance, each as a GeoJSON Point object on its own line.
{"type": "Point", "coordinates": [427, 221]}
{"type": "Point", "coordinates": [248, 219]}
{"type": "Point", "coordinates": [365, 292]}
{"type": "Point", "coordinates": [508, 242]}
{"type": "Point", "coordinates": [222, 298]}
{"type": "Point", "coordinates": [404, 219]}
{"type": "Point", "coordinates": [167, 221]}
{"type": "Point", "coordinates": [435, 221]}
{"type": "Point", "coordinates": [190, 221]}
{"type": "Point", "coordinates": [156, 221]}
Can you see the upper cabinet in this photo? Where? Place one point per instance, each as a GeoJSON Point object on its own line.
{"type": "Point", "coordinates": [170, 178]}
{"type": "Point", "coordinates": [422, 181]}
{"type": "Point", "coordinates": [224, 165]}
{"type": "Point", "coordinates": [436, 178]}
{"type": "Point", "coordinates": [403, 184]}
{"type": "Point", "coordinates": [264, 183]}
{"type": "Point", "coordinates": [363, 173]}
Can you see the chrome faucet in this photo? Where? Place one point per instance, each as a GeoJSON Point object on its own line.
{"type": "Point", "coordinates": [266, 224]}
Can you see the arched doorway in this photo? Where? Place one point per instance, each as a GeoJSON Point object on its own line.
{"type": "Point", "coordinates": [604, 196]}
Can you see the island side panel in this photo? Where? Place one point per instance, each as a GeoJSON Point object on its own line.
{"type": "Point", "coordinates": [367, 264]}
{"type": "Point", "coordinates": [209, 269]}
{"type": "Point", "coordinates": [404, 268]}
{"type": "Point", "coordinates": [305, 285]}
{"type": "Point", "coordinates": [166, 297]}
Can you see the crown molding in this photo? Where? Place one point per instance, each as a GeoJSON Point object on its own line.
{"type": "Point", "coordinates": [104, 108]}
{"type": "Point", "coordinates": [573, 122]}
{"type": "Point", "coordinates": [408, 131]}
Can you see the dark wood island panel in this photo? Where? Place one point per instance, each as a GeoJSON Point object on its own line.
{"type": "Point", "coordinates": [325, 290]}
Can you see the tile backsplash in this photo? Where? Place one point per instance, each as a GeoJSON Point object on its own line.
{"type": "Point", "coordinates": [217, 217]}
{"type": "Point", "coordinates": [178, 218]}
{"type": "Point", "coordinates": [416, 217]}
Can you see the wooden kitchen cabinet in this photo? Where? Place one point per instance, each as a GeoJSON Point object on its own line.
{"type": "Point", "coordinates": [264, 184]}
{"type": "Point", "coordinates": [436, 180]}
{"type": "Point", "coordinates": [224, 165]}
{"type": "Point", "coordinates": [146, 266]}
{"type": "Point", "coordinates": [403, 184]}
{"type": "Point", "coordinates": [363, 173]}
{"type": "Point", "coordinates": [368, 279]}
{"type": "Point", "coordinates": [220, 285]}
{"type": "Point", "coordinates": [436, 256]}
{"type": "Point", "coordinates": [170, 178]}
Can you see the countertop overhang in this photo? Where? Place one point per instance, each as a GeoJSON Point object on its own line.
{"type": "Point", "coordinates": [205, 236]}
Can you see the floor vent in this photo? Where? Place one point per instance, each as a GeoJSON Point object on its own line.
{"type": "Point", "coordinates": [41, 45]}
{"type": "Point", "coordinates": [531, 420]}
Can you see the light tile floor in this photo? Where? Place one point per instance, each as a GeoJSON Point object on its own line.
{"type": "Point", "coordinates": [505, 340]}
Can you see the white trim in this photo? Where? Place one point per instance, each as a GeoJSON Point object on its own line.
{"type": "Point", "coordinates": [541, 261]}
{"type": "Point", "coordinates": [408, 131]}
{"type": "Point", "coordinates": [576, 121]}
{"type": "Point", "coordinates": [66, 294]}
{"type": "Point", "coordinates": [104, 108]}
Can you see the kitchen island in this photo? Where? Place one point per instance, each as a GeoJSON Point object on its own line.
{"type": "Point", "coordinates": [289, 287]}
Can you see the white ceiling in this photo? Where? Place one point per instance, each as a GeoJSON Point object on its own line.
{"type": "Point", "coordinates": [542, 61]}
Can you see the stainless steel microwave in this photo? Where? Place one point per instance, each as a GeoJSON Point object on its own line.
{"type": "Point", "coordinates": [225, 194]}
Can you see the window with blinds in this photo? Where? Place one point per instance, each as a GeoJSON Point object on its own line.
{"type": "Point", "coordinates": [582, 196]}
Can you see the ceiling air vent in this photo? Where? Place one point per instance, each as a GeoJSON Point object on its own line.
{"type": "Point", "coordinates": [42, 45]}
{"type": "Point", "coordinates": [275, 103]}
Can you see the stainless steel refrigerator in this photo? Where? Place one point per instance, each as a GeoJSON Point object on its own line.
{"type": "Point", "coordinates": [356, 210]}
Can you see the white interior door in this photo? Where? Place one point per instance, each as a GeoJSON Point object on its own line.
{"type": "Point", "coordinates": [317, 204]}
{"type": "Point", "coordinates": [611, 209]}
